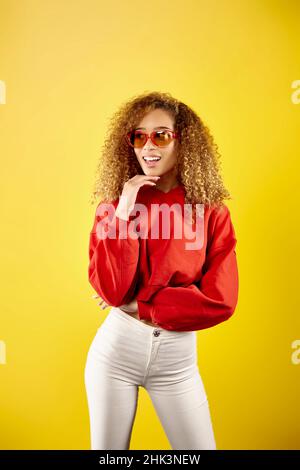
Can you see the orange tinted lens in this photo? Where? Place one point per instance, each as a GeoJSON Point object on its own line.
{"type": "Point", "coordinates": [162, 138]}
{"type": "Point", "coordinates": [137, 139]}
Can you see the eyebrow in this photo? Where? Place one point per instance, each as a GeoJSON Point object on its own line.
{"type": "Point", "coordinates": [159, 127]}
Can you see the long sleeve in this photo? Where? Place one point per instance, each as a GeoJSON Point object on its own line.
{"type": "Point", "coordinates": [113, 259]}
{"type": "Point", "coordinates": [208, 302]}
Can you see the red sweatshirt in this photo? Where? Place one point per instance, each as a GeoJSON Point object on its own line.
{"type": "Point", "coordinates": [176, 288]}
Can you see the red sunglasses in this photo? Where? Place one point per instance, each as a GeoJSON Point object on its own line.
{"type": "Point", "coordinates": [137, 139]}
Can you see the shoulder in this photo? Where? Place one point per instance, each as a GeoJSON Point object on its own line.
{"type": "Point", "coordinates": [215, 214]}
{"type": "Point", "coordinates": [106, 207]}
{"type": "Point", "coordinates": [219, 225]}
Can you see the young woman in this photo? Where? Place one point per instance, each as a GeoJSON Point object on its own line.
{"type": "Point", "coordinates": [159, 165]}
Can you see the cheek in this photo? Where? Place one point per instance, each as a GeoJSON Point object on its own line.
{"type": "Point", "coordinates": [171, 157]}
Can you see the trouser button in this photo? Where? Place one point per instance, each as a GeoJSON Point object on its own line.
{"type": "Point", "coordinates": [156, 333]}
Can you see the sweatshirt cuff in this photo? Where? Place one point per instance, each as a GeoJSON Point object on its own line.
{"type": "Point", "coordinates": [145, 310]}
{"type": "Point", "coordinates": [123, 209]}
{"type": "Point", "coordinates": [119, 228]}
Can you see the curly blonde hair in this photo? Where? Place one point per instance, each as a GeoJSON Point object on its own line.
{"type": "Point", "coordinates": [198, 162]}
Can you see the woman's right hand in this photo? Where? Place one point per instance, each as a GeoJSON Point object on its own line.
{"type": "Point", "coordinates": [129, 193]}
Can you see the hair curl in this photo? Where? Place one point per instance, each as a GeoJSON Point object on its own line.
{"type": "Point", "coordinates": [198, 159]}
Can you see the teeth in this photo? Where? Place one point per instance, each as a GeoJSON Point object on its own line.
{"type": "Point", "coordinates": [151, 159]}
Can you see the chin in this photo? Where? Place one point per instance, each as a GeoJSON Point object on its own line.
{"type": "Point", "coordinates": [151, 172]}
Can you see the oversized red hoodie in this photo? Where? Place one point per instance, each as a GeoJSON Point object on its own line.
{"type": "Point", "coordinates": [177, 288]}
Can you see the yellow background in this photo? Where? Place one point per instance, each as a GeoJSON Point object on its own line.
{"type": "Point", "coordinates": [67, 66]}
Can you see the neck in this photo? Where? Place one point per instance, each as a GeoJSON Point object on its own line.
{"type": "Point", "coordinates": [167, 181]}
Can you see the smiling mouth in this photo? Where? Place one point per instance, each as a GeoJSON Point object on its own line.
{"type": "Point", "coordinates": [151, 159]}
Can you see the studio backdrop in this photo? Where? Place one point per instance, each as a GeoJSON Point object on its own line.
{"type": "Point", "coordinates": [65, 68]}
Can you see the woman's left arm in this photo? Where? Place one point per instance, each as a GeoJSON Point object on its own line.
{"type": "Point", "coordinates": [210, 301]}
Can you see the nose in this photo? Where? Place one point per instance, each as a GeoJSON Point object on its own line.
{"type": "Point", "coordinates": [149, 144]}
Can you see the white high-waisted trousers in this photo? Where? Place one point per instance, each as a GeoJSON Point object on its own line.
{"type": "Point", "coordinates": [127, 353]}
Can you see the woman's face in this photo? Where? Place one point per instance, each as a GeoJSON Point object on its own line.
{"type": "Point", "coordinates": [167, 164]}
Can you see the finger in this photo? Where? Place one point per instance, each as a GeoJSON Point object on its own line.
{"type": "Point", "coordinates": [95, 296]}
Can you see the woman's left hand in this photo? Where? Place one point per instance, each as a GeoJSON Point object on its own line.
{"type": "Point", "coordinates": [102, 302]}
{"type": "Point", "coordinates": [131, 307]}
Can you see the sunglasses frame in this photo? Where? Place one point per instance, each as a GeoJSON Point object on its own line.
{"type": "Point", "coordinates": [174, 134]}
